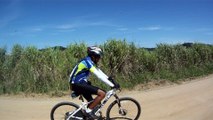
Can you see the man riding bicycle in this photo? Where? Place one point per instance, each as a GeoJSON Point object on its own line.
{"type": "Point", "coordinates": [79, 78]}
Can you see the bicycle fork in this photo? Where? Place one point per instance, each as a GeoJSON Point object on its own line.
{"type": "Point", "coordinates": [121, 110]}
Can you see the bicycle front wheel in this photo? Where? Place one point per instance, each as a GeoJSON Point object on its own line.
{"type": "Point", "coordinates": [61, 110]}
{"type": "Point", "coordinates": [129, 109]}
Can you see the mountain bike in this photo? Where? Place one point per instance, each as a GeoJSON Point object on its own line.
{"type": "Point", "coordinates": [124, 108]}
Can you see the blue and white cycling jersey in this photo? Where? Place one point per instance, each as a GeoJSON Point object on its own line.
{"type": "Point", "coordinates": [82, 70]}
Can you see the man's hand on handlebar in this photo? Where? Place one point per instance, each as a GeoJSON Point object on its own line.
{"type": "Point", "coordinates": [116, 85]}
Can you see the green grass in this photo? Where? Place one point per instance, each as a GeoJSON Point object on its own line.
{"type": "Point", "coordinates": [30, 70]}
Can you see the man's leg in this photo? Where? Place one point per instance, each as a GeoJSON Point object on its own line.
{"type": "Point", "coordinates": [87, 91]}
{"type": "Point", "coordinates": [100, 96]}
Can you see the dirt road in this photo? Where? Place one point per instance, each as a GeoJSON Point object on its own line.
{"type": "Point", "coordinates": [188, 101]}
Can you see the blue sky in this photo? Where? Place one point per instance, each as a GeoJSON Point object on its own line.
{"type": "Point", "coordinates": [45, 23]}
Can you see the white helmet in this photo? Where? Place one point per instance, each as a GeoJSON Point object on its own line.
{"type": "Point", "coordinates": [94, 51]}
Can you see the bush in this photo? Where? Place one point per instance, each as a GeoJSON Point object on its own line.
{"type": "Point", "coordinates": [30, 70]}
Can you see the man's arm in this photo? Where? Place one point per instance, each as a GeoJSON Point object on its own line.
{"type": "Point", "coordinates": [103, 77]}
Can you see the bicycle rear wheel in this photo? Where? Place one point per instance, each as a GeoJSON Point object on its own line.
{"type": "Point", "coordinates": [130, 110]}
{"type": "Point", "coordinates": [60, 110]}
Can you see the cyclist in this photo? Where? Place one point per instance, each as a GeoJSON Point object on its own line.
{"type": "Point", "coordinates": [79, 78]}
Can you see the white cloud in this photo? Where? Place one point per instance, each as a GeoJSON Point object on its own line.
{"type": "Point", "coordinates": [206, 31]}
{"type": "Point", "coordinates": [82, 23]}
{"type": "Point", "coordinates": [209, 33]}
{"type": "Point", "coordinates": [150, 28]}
{"type": "Point", "coordinates": [155, 28]}
{"type": "Point", "coordinates": [122, 29]}
{"type": "Point", "coordinates": [66, 26]}
{"type": "Point", "coordinates": [98, 23]}
{"type": "Point", "coordinates": [36, 29]}
{"type": "Point", "coordinates": [66, 30]}
{"type": "Point", "coordinates": [103, 23]}
{"type": "Point", "coordinates": [202, 29]}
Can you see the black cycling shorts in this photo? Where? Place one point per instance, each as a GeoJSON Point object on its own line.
{"type": "Point", "coordinates": [85, 89]}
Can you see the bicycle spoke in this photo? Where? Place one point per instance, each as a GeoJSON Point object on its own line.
{"type": "Point", "coordinates": [129, 110]}
{"type": "Point", "coordinates": [62, 110]}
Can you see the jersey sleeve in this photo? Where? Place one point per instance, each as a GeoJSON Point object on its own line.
{"type": "Point", "coordinates": [103, 77]}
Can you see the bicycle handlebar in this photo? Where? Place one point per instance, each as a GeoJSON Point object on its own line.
{"type": "Point", "coordinates": [116, 85]}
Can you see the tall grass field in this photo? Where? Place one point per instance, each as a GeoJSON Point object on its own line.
{"type": "Point", "coordinates": [31, 70]}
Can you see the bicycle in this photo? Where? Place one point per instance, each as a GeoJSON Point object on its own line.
{"type": "Point", "coordinates": [120, 108]}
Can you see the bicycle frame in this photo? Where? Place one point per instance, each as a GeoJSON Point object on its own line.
{"type": "Point", "coordinates": [84, 105]}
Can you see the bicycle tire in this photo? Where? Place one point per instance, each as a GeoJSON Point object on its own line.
{"type": "Point", "coordinates": [59, 105]}
{"type": "Point", "coordinates": [123, 101]}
